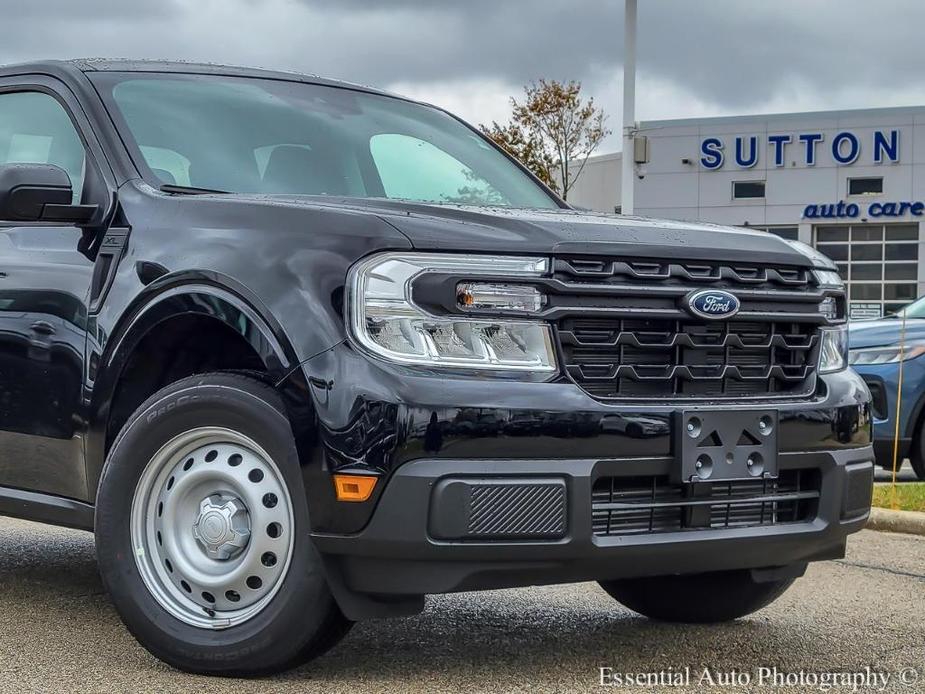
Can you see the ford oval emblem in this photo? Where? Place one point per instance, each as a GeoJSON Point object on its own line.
{"type": "Point", "coordinates": [713, 303]}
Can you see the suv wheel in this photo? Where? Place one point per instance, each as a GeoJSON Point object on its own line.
{"type": "Point", "coordinates": [700, 598]}
{"type": "Point", "coordinates": [917, 455]}
{"type": "Point", "coordinates": [202, 532]}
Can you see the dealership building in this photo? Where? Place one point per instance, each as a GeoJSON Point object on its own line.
{"type": "Point", "coordinates": [850, 183]}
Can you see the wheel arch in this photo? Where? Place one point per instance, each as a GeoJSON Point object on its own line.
{"type": "Point", "coordinates": [205, 305]}
{"type": "Point", "coordinates": [915, 427]}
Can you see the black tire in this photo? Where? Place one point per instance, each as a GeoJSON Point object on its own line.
{"type": "Point", "coordinates": [301, 621]}
{"type": "Point", "coordinates": [917, 457]}
{"type": "Point", "coordinates": [696, 599]}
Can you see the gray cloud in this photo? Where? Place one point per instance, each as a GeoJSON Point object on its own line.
{"type": "Point", "coordinates": [732, 51]}
{"type": "Point", "coordinates": [714, 55]}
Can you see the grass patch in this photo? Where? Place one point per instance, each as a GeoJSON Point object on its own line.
{"type": "Point", "coordinates": [910, 496]}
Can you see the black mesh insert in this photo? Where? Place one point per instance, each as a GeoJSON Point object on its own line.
{"type": "Point", "coordinates": [652, 504]}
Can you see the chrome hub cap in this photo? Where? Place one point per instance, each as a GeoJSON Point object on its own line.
{"type": "Point", "coordinates": [212, 527]}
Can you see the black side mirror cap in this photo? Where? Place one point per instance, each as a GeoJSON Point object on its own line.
{"type": "Point", "coordinates": [39, 193]}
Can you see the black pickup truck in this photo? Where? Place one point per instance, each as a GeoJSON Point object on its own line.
{"type": "Point", "coordinates": [301, 352]}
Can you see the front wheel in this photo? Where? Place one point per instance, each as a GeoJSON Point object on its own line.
{"type": "Point", "coordinates": [917, 456]}
{"type": "Point", "coordinates": [202, 532]}
{"type": "Point", "coordinates": [699, 598]}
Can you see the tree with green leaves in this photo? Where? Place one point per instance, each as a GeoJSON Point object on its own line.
{"type": "Point", "coordinates": [552, 132]}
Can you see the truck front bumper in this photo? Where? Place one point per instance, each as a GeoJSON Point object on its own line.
{"type": "Point", "coordinates": [487, 483]}
{"type": "Point", "coordinates": [404, 549]}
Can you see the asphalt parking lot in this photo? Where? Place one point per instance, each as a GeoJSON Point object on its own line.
{"type": "Point", "coordinates": [58, 632]}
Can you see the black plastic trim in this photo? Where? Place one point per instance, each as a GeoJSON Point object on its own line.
{"type": "Point", "coordinates": [46, 508]}
{"type": "Point", "coordinates": [395, 555]}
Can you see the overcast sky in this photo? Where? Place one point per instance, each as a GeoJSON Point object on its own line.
{"type": "Point", "coordinates": [696, 57]}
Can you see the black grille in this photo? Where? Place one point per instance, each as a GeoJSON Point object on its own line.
{"type": "Point", "coordinates": [624, 332]}
{"type": "Point", "coordinates": [652, 504]}
{"type": "Point", "coordinates": [613, 358]}
{"type": "Point", "coordinates": [666, 272]}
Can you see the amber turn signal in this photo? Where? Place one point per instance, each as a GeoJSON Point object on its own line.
{"type": "Point", "coordinates": [354, 487]}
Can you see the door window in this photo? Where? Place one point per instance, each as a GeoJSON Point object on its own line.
{"type": "Point", "coordinates": [35, 129]}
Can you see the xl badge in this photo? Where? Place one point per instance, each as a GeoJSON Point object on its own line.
{"type": "Point", "coordinates": [713, 303]}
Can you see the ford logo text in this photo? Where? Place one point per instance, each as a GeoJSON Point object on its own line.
{"type": "Point", "coordinates": [713, 303]}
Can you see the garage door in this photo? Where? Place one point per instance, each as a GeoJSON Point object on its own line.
{"type": "Point", "coordinates": [879, 262]}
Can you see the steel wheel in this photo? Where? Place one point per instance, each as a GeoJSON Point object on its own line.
{"type": "Point", "coordinates": [212, 527]}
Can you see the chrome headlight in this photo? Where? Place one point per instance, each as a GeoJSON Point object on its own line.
{"type": "Point", "coordinates": [385, 319]}
{"type": "Point", "coordinates": [829, 279]}
{"type": "Point", "coordinates": [890, 354]}
{"type": "Point", "coordinates": [833, 354]}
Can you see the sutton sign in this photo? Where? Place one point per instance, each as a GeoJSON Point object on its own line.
{"type": "Point", "coordinates": [845, 148]}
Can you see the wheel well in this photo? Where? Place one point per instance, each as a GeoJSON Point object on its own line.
{"type": "Point", "coordinates": [177, 348]}
{"type": "Point", "coordinates": [916, 425]}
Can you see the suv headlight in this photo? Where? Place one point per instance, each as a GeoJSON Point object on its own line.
{"type": "Point", "coordinates": [833, 354]}
{"type": "Point", "coordinates": [829, 279]}
{"type": "Point", "coordinates": [386, 320]}
{"type": "Point", "coordinates": [891, 354]}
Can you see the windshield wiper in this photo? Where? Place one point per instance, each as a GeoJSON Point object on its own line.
{"type": "Point", "coordinates": [188, 190]}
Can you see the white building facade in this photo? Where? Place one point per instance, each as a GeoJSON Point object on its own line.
{"type": "Point", "coordinates": [850, 183]}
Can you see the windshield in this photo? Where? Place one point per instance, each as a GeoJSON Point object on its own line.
{"type": "Point", "coordinates": [268, 136]}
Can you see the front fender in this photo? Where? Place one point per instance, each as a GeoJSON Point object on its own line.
{"type": "Point", "coordinates": [206, 294]}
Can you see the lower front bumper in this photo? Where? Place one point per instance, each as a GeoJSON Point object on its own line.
{"type": "Point", "coordinates": [398, 554]}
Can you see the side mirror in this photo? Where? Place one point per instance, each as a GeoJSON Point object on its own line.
{"type": "Point", "coordinates": [39, 193]}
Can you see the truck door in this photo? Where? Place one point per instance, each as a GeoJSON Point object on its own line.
{"type": "Point", "coordinates": [44, 288]}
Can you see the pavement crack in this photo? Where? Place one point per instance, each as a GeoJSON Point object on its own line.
{"type": "Point", "coordinates": [874, 567]}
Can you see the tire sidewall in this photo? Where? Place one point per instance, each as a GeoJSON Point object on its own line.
{"type": "Point", "coordinates": [302, 603]}
{"type": "Point", "coordinates": [917, 459]}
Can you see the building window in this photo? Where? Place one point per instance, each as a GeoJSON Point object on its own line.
{"type": "Point", "coordinates": [789, 232]}
{"type": "Point", "coordinates": [879, 263]}
{"type": "Point", "coordinates": [865, 186]}
{"type": "Point", "coordinates": [747, 190]}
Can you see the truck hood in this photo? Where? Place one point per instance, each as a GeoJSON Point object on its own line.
{"type": "Point", "coordinates": [880, 333]}
{"type": "Point", "coordinates": [506, 230]}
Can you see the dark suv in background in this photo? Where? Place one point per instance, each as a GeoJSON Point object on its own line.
{"type": "Point", "coordinates": [300, 352]}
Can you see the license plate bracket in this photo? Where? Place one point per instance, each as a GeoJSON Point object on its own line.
{"type": "Point", "coordinates": [724, 445]}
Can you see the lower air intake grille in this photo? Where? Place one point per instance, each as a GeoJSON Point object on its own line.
{"type": "Point", "coordinates": [651, 504]}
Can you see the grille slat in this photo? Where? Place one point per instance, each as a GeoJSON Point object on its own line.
{"type": "Point", "coordinates": [621, 355]}
{"type": "Point", "coordinates": [619, 270]}
{"type": "Point", "coordinates": [652, 504]}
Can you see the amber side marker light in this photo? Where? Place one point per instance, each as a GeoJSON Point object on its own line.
{"type": "Point", "coordinates": [354, 487]}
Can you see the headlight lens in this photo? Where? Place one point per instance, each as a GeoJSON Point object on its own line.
{"type": "Point", "coordinates": [828, 307]}
{"type": "Point", "coordinates": [385, 320]}
{"type": "Point", "coordinates": [833, 355]}
{"type": "Point", "coordinates": [891, 354]}
{"type": "Point", "coordinates": [829, 279]}
{"type": "Point", "coordinates": [486, 296]}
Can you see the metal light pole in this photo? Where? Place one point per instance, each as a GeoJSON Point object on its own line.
{"type": "Point", "coordinates": [629, 107]}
